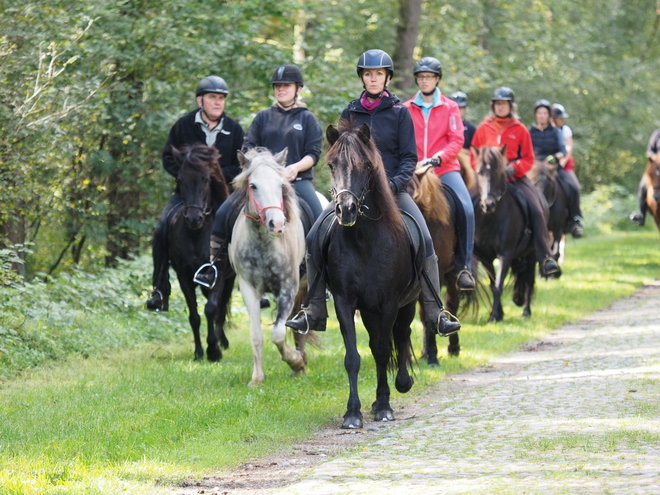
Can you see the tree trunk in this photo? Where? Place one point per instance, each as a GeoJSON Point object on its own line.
{"type": "Point", "coordinates": [410, 12]}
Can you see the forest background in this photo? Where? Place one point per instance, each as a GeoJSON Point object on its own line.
{"type": "Point", "coordinates": [90, 89]}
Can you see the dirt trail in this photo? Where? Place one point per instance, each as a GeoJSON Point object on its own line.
{"type": "Point", "coordinates": [577, 412]}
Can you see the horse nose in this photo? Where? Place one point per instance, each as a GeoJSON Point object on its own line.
{"type": "Point", "coordinates": [346, 213]}
{"type": "Point", "coordinates": [488, 205]}
{"type": "Point", "coordinates": [194, 219]}
{"type": "Point", "coordinates": [276, 226]}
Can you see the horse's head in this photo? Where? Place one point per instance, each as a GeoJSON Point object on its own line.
{"type": "Point", "coordinates": [543, 175]}
{"type": "Point", "coordinates": [265, 186]}
{"type": "Point", "coordinates": [199, 172]}
{"type": "Point", "coordinates": [357, 170]}
{"type": "Point", "coordinates": [652, 175]}
{"type": "Point", "coordinates": [491, 176]}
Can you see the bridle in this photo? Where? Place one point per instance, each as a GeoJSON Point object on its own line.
{"type": "Point", "coordinates": [497, 196]}
{"type": "Point", "coordinates": [260, 210]}
{"type": "Point", "coordinates": [361, 207]}
{"type": "Point", "coordinates": [205, 208]}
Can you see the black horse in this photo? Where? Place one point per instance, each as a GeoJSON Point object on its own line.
{"type": "Point", "coordinates": [370, 267]}
{"type": "Point", "coordinates": [501, 232]}
{"type": "Point", "coordinates": [203, 189]}
{"type": "Point", "coordinates": [544, 177]}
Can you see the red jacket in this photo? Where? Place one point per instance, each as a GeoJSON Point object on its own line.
{"type": "Point", "coordinates": [443, 131]}
{"type": "Point", "coordinates": [519, 149]}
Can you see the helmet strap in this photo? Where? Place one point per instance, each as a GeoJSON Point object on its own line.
{"type": "Point", "coordinates": [430, 93]}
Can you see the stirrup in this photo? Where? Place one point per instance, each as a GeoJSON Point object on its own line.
{"type": "Point", "coordinates": [301, 314]}
{"type": "Point", "coordinates": [204, 283]}
{"type": "Point", "coordinates": [451, 319]}
{"type": "Point", "coordinates": [546, 273]}
{"type": "Point", "coordinates": [154, 293]}
{"type": "Point", "coordinates": [471, 279]}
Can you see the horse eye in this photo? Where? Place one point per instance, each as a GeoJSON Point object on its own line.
{"type": "Point", "coordinates": [253, 186]}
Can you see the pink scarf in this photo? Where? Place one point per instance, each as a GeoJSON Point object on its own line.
{"type": "Point", "coordinates": [369, 105]}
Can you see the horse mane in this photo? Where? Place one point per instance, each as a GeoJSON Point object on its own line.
{"type": "Point", "coordinates": [648, 172]}
{"type": "Point", "coordinates": [426, 190]}
{"type": "Point", "coordinates": [256, 157]}
{"type": "Point", "coordinates": [542, 168]}
{"type": "Point", "coordinates": [351, 148]}
{"type": "Point", "coordinates": [200, 158]}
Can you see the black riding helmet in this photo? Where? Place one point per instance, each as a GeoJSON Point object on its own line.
{"type": "Point", "coordinates": [286, 74]}
{"type": "Point", "coordinates": [503, 93]}
{"type": "Point", "coordinates": [375, 59]}
{"type": "Point", "coordinates": [428, 64]}
{"type": "Point", "coordinates": [460, 98]}
{"type": "Point", "coordinates": [543, 103]}
{"type": "Point", "coordinates": [212, 84]}
{"type": "Point", "coordinates": [558, 111]}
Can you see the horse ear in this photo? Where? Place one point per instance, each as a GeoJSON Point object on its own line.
{"type": "Point", "coordinates": [242, 161]}
{"type": "Point", "coordinates": [365, 133]}
{"type": "Point", "coordinates": [281, 157]}
{"type": "Point", "coordinates": [331, 134]}
{"type": "Point", "coordinates": [422, 169]}
{"type": "Point", "coordinates": [503, 150]}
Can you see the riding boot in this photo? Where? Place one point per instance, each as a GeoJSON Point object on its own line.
{"type": "Point", "coordinates": [314, 315]}
{"type": "Point", "coordinates": [549, 268]}
{"type": "Point", "coordinates": [207, 274]}
{"type": "Point", "coordinates": [464, 280]}
{"type": "Point", "coordinates": [434, 311]}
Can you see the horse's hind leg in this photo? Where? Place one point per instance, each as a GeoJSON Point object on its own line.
{"type": "Point", "coordinates": [188, 290]}
{"type": "Point", "coordinates": [401, 334]}
{"type": "Point", "coordinates": [292, 357]}
{"type": "Point", "coordinates": [530, 277]}
{"type": "Point", "coordinates": [452, 299]}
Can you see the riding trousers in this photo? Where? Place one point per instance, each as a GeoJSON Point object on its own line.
{"type": "Point", "coordinates": [404, 202]}
{"type": "Point", "coordinates": [465, 229]}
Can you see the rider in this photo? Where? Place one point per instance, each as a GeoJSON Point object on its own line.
{"type": "Point", "coordinates": [286, 124]}
{"type": "Point", "coordinates": [652, 152]}
{"type": "Point", "coordinates": [502, 127]}
{"type": "Point", "coordinates": [393, 131]}
{"type": "Point", "coordinates": [208, 124]}
{"type": "Point", "coordinates": [439, 135]}
{"type": "Point", "coordinates": [548, 142]}
{"type": "Point", "coordinates": [461, 100]}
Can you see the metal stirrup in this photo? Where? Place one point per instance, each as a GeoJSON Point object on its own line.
{"type": "Point", "coordinates": [203, 283]}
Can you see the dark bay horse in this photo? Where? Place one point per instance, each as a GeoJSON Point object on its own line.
{"type": "Point", "coordinates": [427, 191]}
{"type": "Point", "coordinates": [370, 267]}
{"type": "Point", "coordinates": [501, 232]}
{"type": "Point", "coordinates": [203, 189]}
{"type": "Point", "coordinates": [652, 178]}
{"type": "Point", "coordinates": [544, 177]}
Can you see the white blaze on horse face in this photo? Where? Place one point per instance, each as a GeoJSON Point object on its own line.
{"type": "Point", "coordinates": [346, 196]}
{"type": "Point", "coordinates": [266, 188]}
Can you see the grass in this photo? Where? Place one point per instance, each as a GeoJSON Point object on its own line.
{"type": "Point", "coordinates": [117, 421]}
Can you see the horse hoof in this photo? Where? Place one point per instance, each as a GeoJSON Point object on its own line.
{"type": "Point", "coordinates": [214, 354]}
{"type": "Point", "coordinates": [352, 423]}
{"type": "Point", "coordinates": [433, 361]}
{"type": "Point", "coordinates": [299, 372]}
{"type": "Point", "coordinates": [404, 385]}
{"type": "Point", "coordinates": [386, 415]}
{"type": "Point", "coordinates": [454, 350]}
{"type": "Point", "coordinates": [199, 356]}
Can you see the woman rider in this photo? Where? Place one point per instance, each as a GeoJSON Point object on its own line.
{"type": "Point", "coordinates": [439, 135]}
{"type": "Point", "coordinates": [548, 141]}
{"type": "Point", "coordinates": [393, 132]}
{"type": "Point", "coordinates": [502, 127]}
{"type": "Point", "coordinates": [286, 124]}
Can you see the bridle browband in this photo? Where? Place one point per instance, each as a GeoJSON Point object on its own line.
{"type": "Point", "coordinates": [260, 210]}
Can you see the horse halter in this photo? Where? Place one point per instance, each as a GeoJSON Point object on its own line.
{"type": "Point", "coordinates": [260, 210]}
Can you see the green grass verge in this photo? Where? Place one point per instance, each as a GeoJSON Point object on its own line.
{"type": "Point", "coordinates": [122, 420]}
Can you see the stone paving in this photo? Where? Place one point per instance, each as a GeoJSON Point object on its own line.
{"type": "Point", "coordinates": [578, 412]}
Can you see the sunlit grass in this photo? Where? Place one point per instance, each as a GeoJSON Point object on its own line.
{"type": "Point", "coordinates": [124, 421]}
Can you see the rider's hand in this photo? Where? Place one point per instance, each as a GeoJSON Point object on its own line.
{"type": "Point", "coordinates": [510, 170]}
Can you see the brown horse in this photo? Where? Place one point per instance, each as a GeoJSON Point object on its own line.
{"type": "Point", "coordinates": [652, 179]}
{"type": "Point", "coordinates": [544, 177]}
{"type": "Point", "coordinates": [427, 191]}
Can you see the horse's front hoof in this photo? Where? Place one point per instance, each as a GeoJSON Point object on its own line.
{"type": "Point", "coordinates": [386, 415]}
{"type": "Point", "coordinates": [214, 354]}
{"type": "Point", "coordinates": [454, 350]}
{"type": "Point", "coordinates": [527, 313]}
{"type": "Point", "coordinates": [352, 422]}
{"type": "Point", "coordinates": [404, 385]}
{"type": "Point", "coordinates": [299, 372]}
{"type": "Point", "coordinates": [199, 355]}
{"type": "Point", "coordinates": [432, 361]}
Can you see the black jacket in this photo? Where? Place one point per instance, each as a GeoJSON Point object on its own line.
{"type": "Point", "coordinates": [296, 129]}
{"type": "Point", "coordinates": [468, 133]}
{"type": "Point", "coordinates": [392, 129]}
{"type": "Point", "coordinates": [546, 142]}
{"type": "Point", "coordinates": [186, 131]}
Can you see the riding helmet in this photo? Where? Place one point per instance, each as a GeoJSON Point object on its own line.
{"type": "Point", "coordinates": [558, 111]}
{"type": "Point", "coordinates": [460, 98]}
{"type": "Point", "coordinates": [375, 59]}
{"type": "Point", "coordinates": [428, 64]}
{"type": "Point", "coordinates": [287, 73]}
{"type": "Point", "coordinates": [503, 93]}
{"type": "Point", "coordinates": [543, 103]}
{"type": "Point", "coordinates": [212, 84]}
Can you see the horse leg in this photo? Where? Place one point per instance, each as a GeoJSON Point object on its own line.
{"type": "Point", "coordinates": [429, 345]}
{"type": "Point", "coordinates": [300, 338]}
{"type": "Point", "coordinates": [188, 289]}
{"type": "Point", "coordinates": [497, 313]}
{"type": "Point", "coordinates": [221, 314]}
{"type": "Point", "coordinates": [452, 298]}
{"type": "Point", "coordinates": [380, 327]}
{"type": "Point", "coordinates": [216, 311]}
{"type": "Point", "coordinates": [403, 347]}
{"type": "Point", "coordinates": [292, 357]}
{"type": "Point", "coordinates": [530, 277]}
{"type": "Point", "coordinates": [252, 300]}
{"type": "Point", "coordinates": [345, 313]}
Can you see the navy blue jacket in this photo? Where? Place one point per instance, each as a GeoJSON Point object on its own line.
{"type": "Point", "coordinates": [296, 129]}
{"type": "Point", "coordinates": [548, 141]}
{"type": "Point", "coordinates": [392, 129]}
{"type": "Point", "coordinates": [468, 133]}
{"type": "Point", "coordinates": [186, 131]}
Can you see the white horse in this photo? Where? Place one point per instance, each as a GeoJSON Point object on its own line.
{"type": "Point", "coordinates": [267, 248]}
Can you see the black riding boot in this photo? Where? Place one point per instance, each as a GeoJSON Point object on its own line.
{"type": "Point", "coordinates": [208, 273]}
{"type": "Point", "coordinates": [434, 312]}
{"type": "Point", "coordinates": [315, 315]}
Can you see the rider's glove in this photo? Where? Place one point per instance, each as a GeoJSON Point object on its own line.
{"type": "Point", "coordinates": [435, 162]}
{"type": "Point", "coordinates": [510, 170]}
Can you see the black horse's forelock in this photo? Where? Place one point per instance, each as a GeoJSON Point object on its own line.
{"type": "Point", "coordinates": [350, 150]}
{"type": "Point", "coordinates": [199, 159]}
